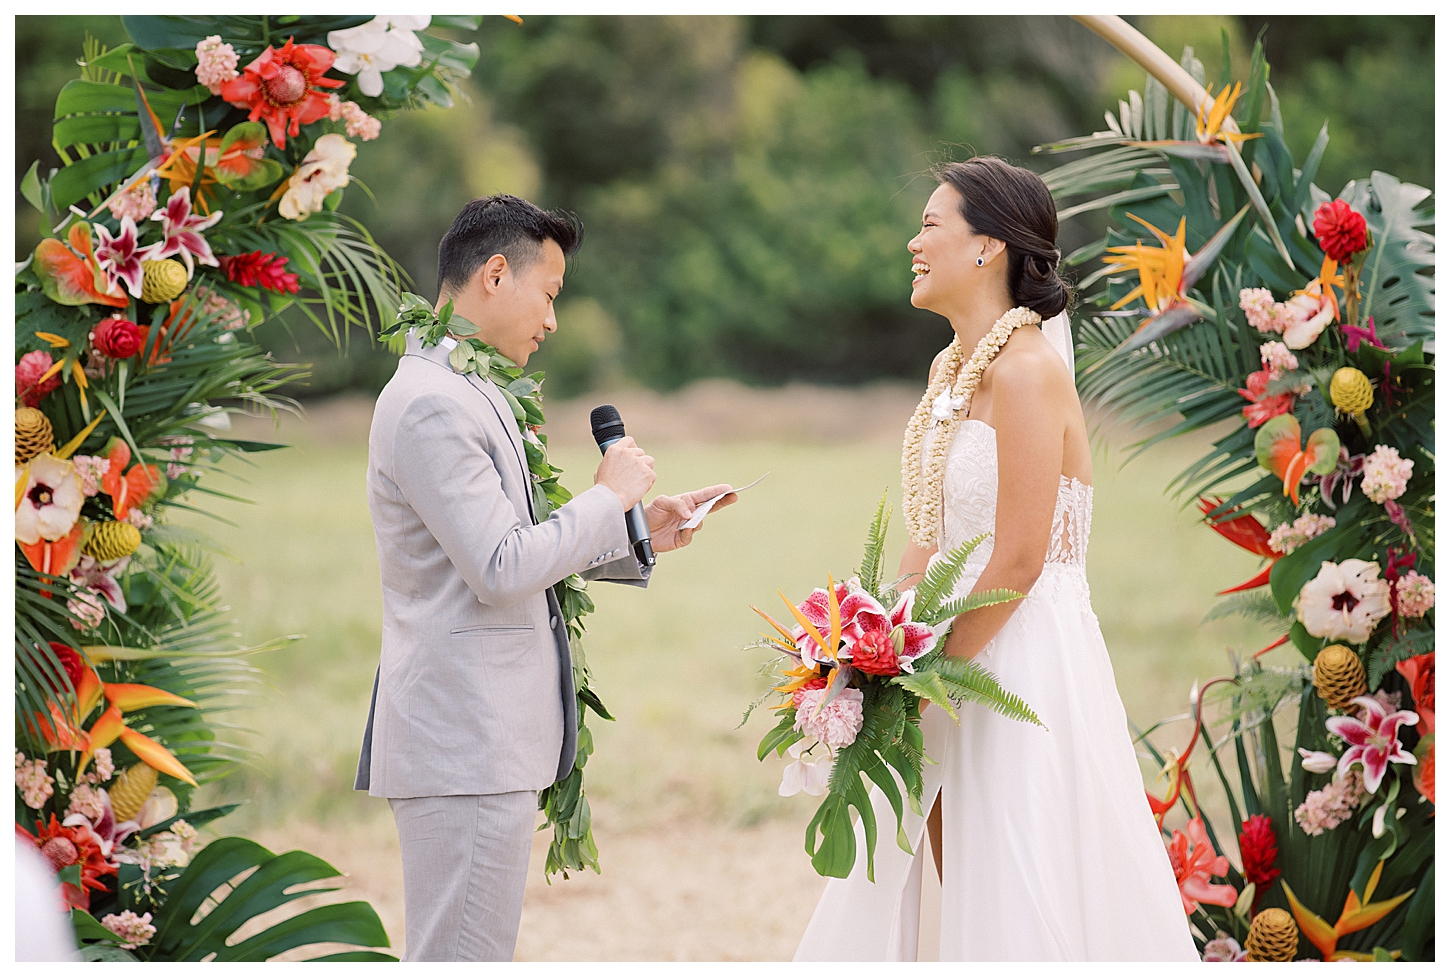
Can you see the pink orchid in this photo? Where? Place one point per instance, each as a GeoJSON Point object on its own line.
{"type": "Point", "coordinates": [101, 578]}
{"type": "Point", "coordinates": [182, 231]}
{"type": "Point", "coordinates": [120, 257]}
{"type": "Point", "coordinates": [862, 614]}
{"type": "Point", "coordinates": [1373, 741]}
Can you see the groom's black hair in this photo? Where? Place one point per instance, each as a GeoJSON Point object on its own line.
{"type": "Point", "coordinates": [501, 224]}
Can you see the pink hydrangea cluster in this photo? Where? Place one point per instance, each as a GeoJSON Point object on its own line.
{"type": "Point", "coordinates": [137, 203]}
{"type": "Point", "coordinates": [229, 315]}
{"type": "Point", "coordinates": [1289, 536]}
{"type": "Point", "coordinates": [1224, 949]}
{"type": "Point", "coordinates": [1326, 809]}
{"type": "Point", "coordinates": [216, 63]}
{"type": "Point", "coordinates": [88, 610]}
{"type": "Point", "coordinates": [140, 520]}
{"type": "Point", "coordinates": [181, 450]}
{"type": "Point", "coordinates": [1385, 474]}
{"type": "Point", "coordinates": [1261, 309]}
{"type": "Point", "coordinates": [35, 784]}
{"type": "Point", "coordinates": [103, 765]}
{"type": "Point", "coordinates": [91, 469]}
{"type": "Point", "coordinates": [185, 834]}
{"type": "Point", "coordinates": [360, 125]}
{"type": "Point", "coordinates": [1278, 359]}
{"type": "Point", "coordinates": [1415, 593]}
{"type": "Point", "coordinates": [85, 800]}
{"type": "Point", "coordinates": [837, 724]}
{"type": "Point", "coordinates": [133, 930]}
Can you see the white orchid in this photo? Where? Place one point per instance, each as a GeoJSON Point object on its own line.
{"type": "Point", "coordinates": [811, 776]}
{"type": "Point", "coordinates": [380, 45]}
{"type": "Point", "coordinates": [323, 170]}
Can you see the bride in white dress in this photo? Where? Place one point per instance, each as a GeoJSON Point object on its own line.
{"type": "Point", "coordinates": [1043, 838]}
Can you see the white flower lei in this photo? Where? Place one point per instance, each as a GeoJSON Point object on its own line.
{"type": "Point", "coordinates": [949, 392]}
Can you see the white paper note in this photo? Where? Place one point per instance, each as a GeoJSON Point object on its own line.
{"type": "Point", "coordinates": [706, 506]}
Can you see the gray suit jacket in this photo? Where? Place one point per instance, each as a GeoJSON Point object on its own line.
{"type": "Point", "coordinates": [474, 693]}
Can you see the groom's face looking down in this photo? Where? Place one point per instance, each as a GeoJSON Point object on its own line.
{"type": "Point", "coordinates": [502, 264]}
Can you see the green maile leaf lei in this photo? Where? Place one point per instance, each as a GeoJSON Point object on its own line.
{"type": "Point", "coordinates": [565, 807]}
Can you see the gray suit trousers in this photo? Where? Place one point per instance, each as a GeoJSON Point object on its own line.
{"type": "Point", "coordinates": [465, 860]}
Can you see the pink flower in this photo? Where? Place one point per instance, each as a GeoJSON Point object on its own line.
{"type": "Point", "coordinates": [1344, 601]}
{"type": "Point", "coordinates": [1415, 593]}
{"type": "Point", "coordinates": [359, 123]}
{"type": "Point", "coordinates": [89, 612]}
{"type": "Point", "coordinates": [1373, 741]}
{"type": "Point", "coordinates": [837, 723]}
{"type": "Point", "coordinates": [1290, 536]}
{"type": "Point", "coordinates": [1354, 335]}
{"type": "Point", "coordinates": [216, 63]}
{"type": "Point", "coordinates": [1224, 949]}
{"type": "Point", "coordinates": [28, 385]}
{"type": "Point", "coordinates": [1306, 314]}
{"type": "Point", "coordinates": [1277, 358]}
{"type": "Point", "coordinates": [101, 579]}
{"type": "Point", "coordinates": [105, 767]}
{"type": "Point", "coordinates": [1261, 310]}
{"type": "Point", "coordinates": [140, 520]}
{"type": "Point", "coordinates": [182, 231]}
{"type": "Point", "coordinates": [1194, 863]}
{"type": "Point", "coordinates": [91, 469]}
{"type": "Point", "coordinates": [1344, 474]}
{"type": "Point", "coordinates": [137, 202]}
{"type": "Point", "coordinates": [180, 451]}
{"type": "Point", "coordinates": [1326, 809]}
{"type": "Point", "coordinates": [133, 930]}
{"type": "Point", "coordinates": [87, 801]}
{"type": "Point", "coordinates": [36, 786]}
{"type": "Point", "coordinates": [120, 257]}
{"type": "Point", "coordinates": [862, 613]}
{"type": "Point", "coordinates": [1385, 474]}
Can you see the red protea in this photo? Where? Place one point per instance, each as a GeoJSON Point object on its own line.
{"type": "Point", "coordinates": [1340, 230]}
{"type": "Point", "coordinates": [28, 386]}
{"type": "Point", "coordinates": [1258, 847]}
{"type": "Point", "coordinates": [282, 87]}
{"type": "Point", "coordinates": [875, 654]}
{"type": "Point", "coordinates": [65, 846]}
{"type": "Point", "coordinates": [264, 270]}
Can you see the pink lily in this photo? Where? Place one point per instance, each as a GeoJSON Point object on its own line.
{"type": "Point", "coordinates": [1373, 741]}
{"type": "Point", "coordinates": [182, 231]}
{"type": "Point", "coordinates": [102, 579]}
{"type": "Point", "coordinates": [861, 614]}
{"type": "Point", "coordinates": [119, 257]}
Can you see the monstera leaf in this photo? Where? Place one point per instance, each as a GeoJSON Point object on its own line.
{"type": "Point", "coordinates": [1398, 281]}
{"type": "Point", "coordinates": [232, 882]}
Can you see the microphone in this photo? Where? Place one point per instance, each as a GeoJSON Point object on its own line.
{"type": "Point", "coordinates": [608, 428]}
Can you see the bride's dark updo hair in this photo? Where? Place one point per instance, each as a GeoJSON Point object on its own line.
{"type": "Point", "coordinates": [1014, 206]}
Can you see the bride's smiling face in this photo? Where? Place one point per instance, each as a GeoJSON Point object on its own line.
{"type": "Point", "coordinates": [944, 255]}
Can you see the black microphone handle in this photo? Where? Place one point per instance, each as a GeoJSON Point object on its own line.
{"type": "Point", "coordinates": [635, 524]}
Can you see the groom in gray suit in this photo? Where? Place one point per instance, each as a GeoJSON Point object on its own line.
{"type": "Point", "coordinates": [473, 707]}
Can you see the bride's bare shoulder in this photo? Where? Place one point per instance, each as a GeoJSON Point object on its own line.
{"type": "Point", "coordinates": [1029, 365]}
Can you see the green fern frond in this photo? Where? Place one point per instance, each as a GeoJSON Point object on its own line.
{"type": "Point", "coordinates": [967, 681]}
{"type": "Point", "coordinates": [941, 577]}
{"type": "Point", "coordinates": [870, 569]}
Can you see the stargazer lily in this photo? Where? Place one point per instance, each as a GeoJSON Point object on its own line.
{"type": "Point", "coordinates": [181, 231]}
{"type": "Point", "coordinates": [120, 257]}
{"type": "Point", "coordinates": [1373, 740]}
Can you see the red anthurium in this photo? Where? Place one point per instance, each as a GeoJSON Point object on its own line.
{"type": "Point", "coordinates": [71, 275]}
{"type": "Point", "coordinates": [56, 557]}
{"type": "Point", "coordinates": [133, 488]}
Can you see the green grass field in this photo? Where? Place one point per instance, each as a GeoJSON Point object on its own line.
{"type": "Point", "coordinates": [670, 661]}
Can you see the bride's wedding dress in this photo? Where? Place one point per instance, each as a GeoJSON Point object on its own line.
{"type": "Point", "coordinates": [1049, 850]}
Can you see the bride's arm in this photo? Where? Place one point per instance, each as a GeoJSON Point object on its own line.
{"type": "Point", "coordinates": [1027, 414]}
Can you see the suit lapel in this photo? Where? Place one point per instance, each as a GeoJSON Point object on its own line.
{"type": "Point", "coordinates": [506, 418]}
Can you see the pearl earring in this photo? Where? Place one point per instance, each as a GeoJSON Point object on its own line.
{"type": "Point", "coordinates": [981, 262]}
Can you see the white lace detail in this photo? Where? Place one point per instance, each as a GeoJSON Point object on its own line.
{"type": "Point", "coordinates": [969, 501]}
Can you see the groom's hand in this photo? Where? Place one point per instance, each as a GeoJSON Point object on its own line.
{"type": "Point", "coordinates": [666, 513]}
{"type": "Point", "coordinates": [627, 472]}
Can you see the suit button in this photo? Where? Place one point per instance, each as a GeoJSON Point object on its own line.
{"type": "Point", "coordinates": [553, 621]}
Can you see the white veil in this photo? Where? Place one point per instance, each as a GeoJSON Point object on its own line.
{"type": "Point", "coordinates": [1059, 331]}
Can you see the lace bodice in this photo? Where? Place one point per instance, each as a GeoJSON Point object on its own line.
{"type": "Point", "coordinates": [969, 503]}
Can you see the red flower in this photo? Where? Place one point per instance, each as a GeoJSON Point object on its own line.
{"type": "Point", "coordinates": [70, 660]}
{"type": "Point", "coordinates": [1194, 863]}
{"type": "Point", "coordinates": [1341, 231]}
{"type": "Point", "coordinates": [815, 683]}
{"type": "Point", "coordinates": [281, 87]}
{"type": "Point", "coordinates": [1424, 775]}
{"type": "Point", "coordinates": [1420, 673]}
{"type": "Point", "coordinates": [264, 270]}
{"type": "Point", "coordinates": [120, 339]}
{"type": "Point", "coordinates": [1262, 405]}
{"type": "Point", "coordinates": [874, 654]}
{"type": "Point", "coordinates": [28, 371]}
{"type": "Point", "coordinates": [66, 846]}
{"type": "Point", "coordinates": [1259, 848]}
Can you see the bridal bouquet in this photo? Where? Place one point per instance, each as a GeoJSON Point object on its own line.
{"type": "Point", "coordinates": [854, 669]}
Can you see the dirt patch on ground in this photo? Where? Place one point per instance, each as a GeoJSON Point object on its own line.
{"type": "Point", "coordinates": [707, 412]}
